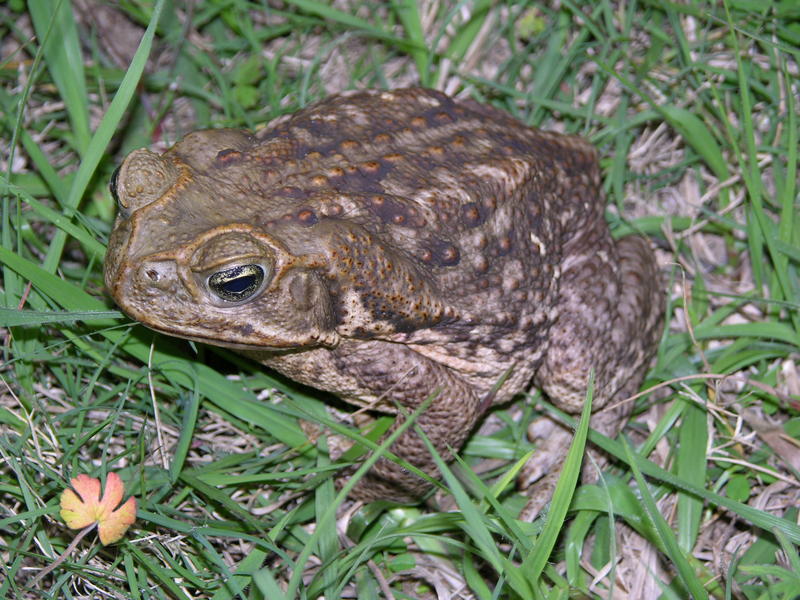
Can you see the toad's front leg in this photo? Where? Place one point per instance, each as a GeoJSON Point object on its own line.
{"type": "Point", "coordinates": [398, 376]}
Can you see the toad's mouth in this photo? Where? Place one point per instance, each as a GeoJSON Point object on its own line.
{"type": "Point", "coordinates": [240, 334]}
{"type": "Point", "coordinates": [235, 333]}
{"type": "Point", "coordinates": [213, 341]}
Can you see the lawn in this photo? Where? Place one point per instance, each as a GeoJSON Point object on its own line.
{"type": "Point", "coordinates": [694, 109]}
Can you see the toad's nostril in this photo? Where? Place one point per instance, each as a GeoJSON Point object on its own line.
{"type": "Point", "coordinates": [159, 275]}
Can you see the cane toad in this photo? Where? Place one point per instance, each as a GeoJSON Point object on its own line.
{"type": "Point", "coordinates": [388, 246]}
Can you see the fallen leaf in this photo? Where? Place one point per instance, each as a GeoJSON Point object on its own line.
{"type": "Point", "coordinates": [82, 507]}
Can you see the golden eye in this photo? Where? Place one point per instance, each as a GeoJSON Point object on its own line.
{"type": "Point", "coordinates": [237, 283]}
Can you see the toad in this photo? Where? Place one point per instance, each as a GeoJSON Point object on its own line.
{"type": "Point", "coordinates": [393, 247]}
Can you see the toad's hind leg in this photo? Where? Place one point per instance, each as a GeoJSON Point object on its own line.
{"type": "Point", "coordinates": [611, 304]}
{"type": "Point", "coordinates": [611, 307]}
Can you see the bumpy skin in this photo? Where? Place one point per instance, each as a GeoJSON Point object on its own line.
{"type": "Point", "coordinates": [409, 244]}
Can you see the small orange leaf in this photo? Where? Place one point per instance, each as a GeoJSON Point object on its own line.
{"type": "Point", "coordinates": [84, 507]}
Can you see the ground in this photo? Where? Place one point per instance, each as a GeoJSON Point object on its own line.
{"type": "Point", "coordinates": [694, 111]}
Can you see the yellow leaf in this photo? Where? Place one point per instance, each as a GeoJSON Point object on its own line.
{"type": "Point", "coordinates": [113, 528]}
{"type": "Point", "coordinates": [79, 511]}
{"type": "Point", "coordinates": [84, 507]}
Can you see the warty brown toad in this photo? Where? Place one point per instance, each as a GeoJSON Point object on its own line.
{"type": "Point", "coordinates": [387, 246]}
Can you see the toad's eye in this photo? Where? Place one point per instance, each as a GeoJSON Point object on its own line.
{"type": "Point", "coordinates": [237, 283]}
{"type": "Point", "coordinates": [112, 185]}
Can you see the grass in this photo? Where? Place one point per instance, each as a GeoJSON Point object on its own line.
{"type": "Point", "coordinates": [695, 111]}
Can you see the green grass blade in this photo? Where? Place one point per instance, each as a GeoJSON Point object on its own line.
{"type": "Point", "coordinates": [61, 220]}
{"type": "Point", "coordinates": [244, 574]}
{"type": "Point", "coordinates": [55, 25]}
{"type": "Point", "coordinates": [476, 528]}
{"type": "Point", "coordinates": [465, 35]}
{"type": "Point", "coordinates": [328, 542]}
{"type": "Point", "coordinates": [131, 576]}
{"type": "Point", "coordinates": [692, 441]}
{"type": "Point", "coordinates": [293, 587]}
{"type": "Point", "coordinates": [408, 13]}
{"type": "Point", "coordinates": [99, 141]}
{"type": "Point", "coordinates": [671, 547]}
{"type": "Point", "coordinates": [757, 517]}
{"type": "Point", "coordinates": [695, 132]}
{"type": "Point", "coordinates": [191, 409]}
{"type": "Point", "coordinates": [752, 175]}
{"type": "Point", "coordinates": [765, 330]}
{"type": "Point", "coordinates": [10, 317]}
{"type": "Point", "coordinates": [164, 576]}
{"type": "Point", "coordinates": [534, 564]}
{"type": "Point", "coordinates": [44, 169]}
{"type": "Point", "coordinates": [326, 11]}
{"type": "Point", "coordinates": [268, 585]}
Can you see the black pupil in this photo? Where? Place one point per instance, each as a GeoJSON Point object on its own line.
{"type": "Point", "coordinates": [240, 284]}
{"type": "Point", "coordinates": [237, 283]}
